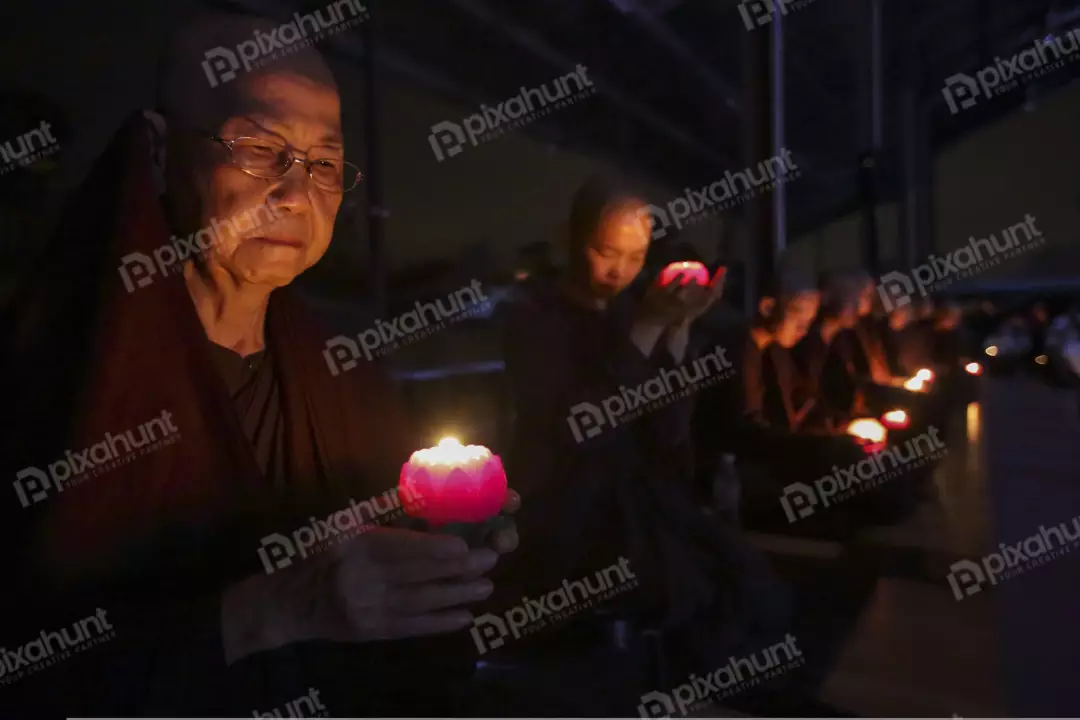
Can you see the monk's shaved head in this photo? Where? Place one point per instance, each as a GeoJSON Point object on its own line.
{"type": "Point", "coordinates": [202, 80]}
{"type": "Point", "coordinates": [228, 79]}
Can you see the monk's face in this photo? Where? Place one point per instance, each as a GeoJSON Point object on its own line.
{"type": "Point", "coordinates": [272, 229]}
{"type": "Point", "coordinates": [797, 318]}
{"type": "Point", "coordinates": [616, 252]}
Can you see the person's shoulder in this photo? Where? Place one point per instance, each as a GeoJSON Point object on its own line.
{"type": "Point", "coordinates": [529, 300]}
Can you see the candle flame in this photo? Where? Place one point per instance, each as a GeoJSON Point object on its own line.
{"type": "Point", "coordinates": [992, 350]}
{"type": "Point", "coordinates": [973, 368]}
{"type": "Point", "coordinates": [450, 451]}
{"type": "Point", "coordinates": [896, 418]}
{"type": "Point", "coordinates": [925, 374]}
{"type": "Point", "coordinates": [867, 429]}
{"type": "Point", "coordinates": [914, 384]}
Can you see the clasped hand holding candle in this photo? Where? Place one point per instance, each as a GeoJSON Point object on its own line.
{"type": "Point", "coordinates": [685, 290]}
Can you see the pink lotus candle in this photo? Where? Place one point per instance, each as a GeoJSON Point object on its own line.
{"type": "Point", "coordinates": [453, 483]}
{"type": "Point", "coordinates": [685, 272]}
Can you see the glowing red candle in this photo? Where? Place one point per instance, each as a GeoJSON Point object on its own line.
{"type": "Point", "coordinates": [869, 433]}
{"type": "Point", "coordinates": [685, 272]}
{"type": "Point", "coordinates": [453, 483]}
{"type": "Point", "coordinates": [896, 419]}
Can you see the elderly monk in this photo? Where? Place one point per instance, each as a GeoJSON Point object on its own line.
{"type": "Point", "coordinates": [180, 431]}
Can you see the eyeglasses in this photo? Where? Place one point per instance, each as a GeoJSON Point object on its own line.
{"type": "Point", "coordinates": [271, 158]}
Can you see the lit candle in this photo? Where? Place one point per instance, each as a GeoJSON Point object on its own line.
{"type": "Point", "coordinates": [869, 433]}
{"type": "Point", "coordinates": [453, 483]}
{"type": "Point", "coordinates": [915, 384]}
{"type": "Point", "coordinates": [896, 419]}
{"type": "Point", "coordinates": [685, 272]}
{"type": "Point", "coordinates": [973, 368]}
{"type": "Point", "coordinates": [926, 375]}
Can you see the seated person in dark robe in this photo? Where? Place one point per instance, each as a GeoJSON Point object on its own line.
{"type": "Point", "coordinates": [197, 495]}
{"type": "Point", "coordinates": [828, 355]}
{"type": "Point", "coordinates": [882, 385]}
{"type": "Point", "coordinates": [948, 340]}
{"type": "Point", "coordinates": [909, 340]}
{"type": "Point", "coordinates": [600, 456]}
{"type": "Point", "coordinates": [781, 398]}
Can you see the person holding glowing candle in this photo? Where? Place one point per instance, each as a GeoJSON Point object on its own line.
{"type": "Point", "coordinates": [230, 562]}
{"type": "Point", "coordinates": [599, 483]}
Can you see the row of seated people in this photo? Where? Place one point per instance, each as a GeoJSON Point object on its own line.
{"type": "Point", "coordinates": [815, 359]}
{"type": "Point", "coordinates": [609, 448]}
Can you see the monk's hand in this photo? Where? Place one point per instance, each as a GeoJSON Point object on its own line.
{"type": "Point", "coordinates": [703, 297]}
{"type": "Point", "coordinates": [387, 583]}
{"type": "Point", "coordinates": [664, 305]}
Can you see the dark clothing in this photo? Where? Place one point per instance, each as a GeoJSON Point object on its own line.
{"type": "Point", "coordinates": [253, 384]}
{"type": "Point", "coordinates": [153, 536]}
{"type": "Point", "coordinates": [910, 349]}
{"type": "Point", "coordinates": [596, 487]}
{"type": "Point", "coordinates": [778, 394]}
{"type": "Point", "coordinates": [871, 358]}
{"type": "Point", "coordinates": [832, 375]}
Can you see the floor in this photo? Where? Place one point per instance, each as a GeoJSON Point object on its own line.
{"type": "Point", "coordinates": [916, 651]}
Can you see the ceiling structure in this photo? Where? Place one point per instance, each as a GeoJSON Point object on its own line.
{"type": "Point", "coordinates": [669, 75]}
{"type": "Point", "coordinates": [671, 104]}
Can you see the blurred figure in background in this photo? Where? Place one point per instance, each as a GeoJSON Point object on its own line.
{"type": "Point", "coordinates": [948, 339]}
{"type": "Point", "coordinates": [828, 353]}
{"type": "Point", "coordinates": [910, 340]}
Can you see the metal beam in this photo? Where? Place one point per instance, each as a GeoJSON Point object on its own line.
{"type": "Point", "coordinates": [529, 41]}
